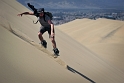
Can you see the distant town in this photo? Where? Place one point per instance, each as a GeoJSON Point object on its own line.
{"type": "Point", "coordinates": [61, 16]}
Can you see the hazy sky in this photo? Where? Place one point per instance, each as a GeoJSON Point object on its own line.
{"type": "Point", "coordinates": [75, 3]}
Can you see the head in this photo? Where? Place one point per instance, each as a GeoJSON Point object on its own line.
{"type": "Point", "coordinates": [41, 12]}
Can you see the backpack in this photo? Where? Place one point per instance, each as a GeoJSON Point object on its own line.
{"type": "Point", "coordinates": [49, 14]}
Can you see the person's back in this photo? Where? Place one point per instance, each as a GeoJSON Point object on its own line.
{"type": "Point", "coordinates": [44, 20]}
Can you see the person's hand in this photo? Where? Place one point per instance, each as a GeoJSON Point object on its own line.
{"type": "Point", "coordinates": [20, 15]}
{"type": "Point", "coordinates": [52, 35]}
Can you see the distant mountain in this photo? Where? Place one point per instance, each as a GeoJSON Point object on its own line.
{"type": "Point", "coordinates": [82, 4]}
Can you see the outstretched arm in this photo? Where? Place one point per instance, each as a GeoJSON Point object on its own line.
{"type": "Point", "coordinates": [26, 13]}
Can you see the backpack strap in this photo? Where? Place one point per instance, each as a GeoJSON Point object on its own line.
{"type": "Point", "coordinates": [36, 21]}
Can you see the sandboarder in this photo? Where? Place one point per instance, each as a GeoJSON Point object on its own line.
{"type": "Point", "coordinates": [46, 25]}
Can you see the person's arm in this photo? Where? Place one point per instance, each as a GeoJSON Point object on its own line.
{"type": "Point", "coordinates": [52, 28]}
{"type": "Point", "coordinates": [26, 13]}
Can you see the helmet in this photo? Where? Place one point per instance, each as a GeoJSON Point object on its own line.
{"type": "Point", "coordinates": [40, 10]}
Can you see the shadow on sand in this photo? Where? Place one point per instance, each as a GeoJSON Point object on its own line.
{"type": "Point", "coordinates": [74, 71]}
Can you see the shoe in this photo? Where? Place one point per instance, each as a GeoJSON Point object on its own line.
{"type": "Point", "coordinates": [44, 44]}
{"type": "Point", "coordinates": [56, 51]}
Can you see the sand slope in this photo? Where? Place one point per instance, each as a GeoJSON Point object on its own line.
{"type": "Point", "coordinates": [21, 59]}
{"type": "Point", "coordinates": [102, 36]}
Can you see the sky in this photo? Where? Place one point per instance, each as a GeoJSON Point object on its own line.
{"type": "Point", "coordinates": [56, 4]}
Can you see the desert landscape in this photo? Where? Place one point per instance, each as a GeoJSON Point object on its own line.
{"type": "Point", "coordinates": [102, 36]}
{"type": "Point", "coordinates": [91, 51]}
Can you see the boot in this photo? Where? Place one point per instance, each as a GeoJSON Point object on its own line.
{"type": "Point", "coordinates": [56, 51]}
{"type": "Point", "coordinates": [44, 44]}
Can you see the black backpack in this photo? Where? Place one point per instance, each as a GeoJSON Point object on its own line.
{"type": "Point", "coordinates": [49, 14]}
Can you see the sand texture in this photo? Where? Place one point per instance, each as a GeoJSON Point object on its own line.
{"type": "Point", "coordinates": [91, 51]}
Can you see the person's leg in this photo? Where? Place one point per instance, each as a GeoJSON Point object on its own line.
{"type": "Point", "coordinates": [55, 49]}
{"type": "Point", "coordinates": [41, 32]}
{"type": "Point", "coordinates": [53, 42]}
{"type": "Point", "coordinates": [40, 36]}
{"type": "Point", "coordinates": [43, 42]}
{"type": "Point", "coordinates": [51, 38]}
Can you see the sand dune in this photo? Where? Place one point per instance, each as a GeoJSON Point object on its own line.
{"type": "Point", "coordinates": [103, 36]}
{"type": "Point", "coordinates": [23, 60]}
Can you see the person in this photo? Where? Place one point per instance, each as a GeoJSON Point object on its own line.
{"type": "Point", "coordinates": [46, 25]}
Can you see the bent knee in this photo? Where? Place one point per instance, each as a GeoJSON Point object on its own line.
{"type": "Point", "coordinates": [39, 33]}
